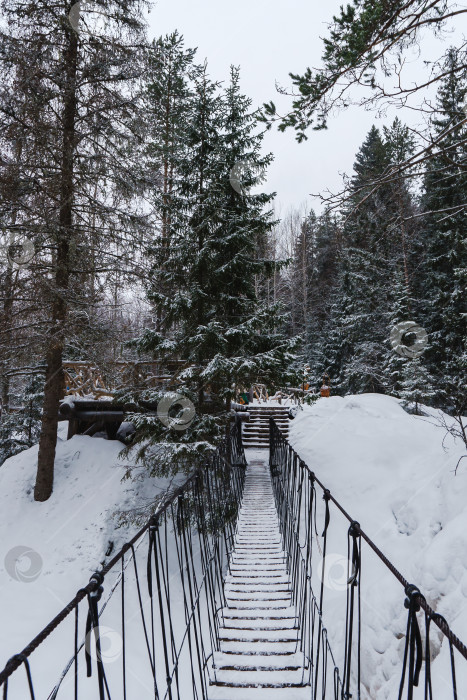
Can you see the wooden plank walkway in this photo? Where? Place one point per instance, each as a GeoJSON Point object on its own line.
{"type": "Point", "coordinates": [259, 657]}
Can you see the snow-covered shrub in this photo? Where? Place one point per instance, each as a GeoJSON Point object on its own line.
{"type": "Point", "coordinates": [20, 429]}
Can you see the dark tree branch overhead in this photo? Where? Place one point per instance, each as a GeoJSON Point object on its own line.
{"type": "Point", "coordinates": [365, 49]}
{"type": "Point", "coordinates": [363, 41]}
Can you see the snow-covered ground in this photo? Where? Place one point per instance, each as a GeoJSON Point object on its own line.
{"type": "Point", "coordinates": [389, 470]}
{"type": "Point", "coordinates": [49, 550]}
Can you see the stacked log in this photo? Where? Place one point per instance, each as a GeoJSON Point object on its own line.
{"type": "Point", "coordinates": [87, 417]}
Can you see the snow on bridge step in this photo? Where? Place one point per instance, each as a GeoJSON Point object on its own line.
{"type": "Point", "coordinates": [224, 693]}
{"type": "Point", "coordinates": [259, 655]}
{"type": "Point", "coordinates": [256, 430]}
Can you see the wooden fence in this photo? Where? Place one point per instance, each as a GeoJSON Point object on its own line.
{"type": "Point", "coordinates": [85, 379]}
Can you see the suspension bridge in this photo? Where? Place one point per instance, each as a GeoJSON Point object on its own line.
{"type": "Point", "coordinates": [216, 597]}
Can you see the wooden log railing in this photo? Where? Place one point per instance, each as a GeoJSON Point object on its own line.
{"type": "Point", "coordinates": [85, 379]}
{"type": "Point", "coordinates": [92, 390]}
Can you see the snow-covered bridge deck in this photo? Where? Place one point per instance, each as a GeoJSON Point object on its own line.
{"type": "Point", "coordinates": [259, 633]}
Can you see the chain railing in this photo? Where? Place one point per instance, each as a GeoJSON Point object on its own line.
{"type": "Point", "coordinates": [295, 488]}
{"type": "Point", "coordinates": [155, 632]}
{"type": "Point", "coordinates": [295, 497]}
{"type": "Point", "coordinates": [147, 623]}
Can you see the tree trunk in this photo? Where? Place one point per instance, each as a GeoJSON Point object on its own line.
{"type": "Point", "coordinates": [53, 389]}
{"type": "Point", "coordinates": [7, 325]}
{"type": "Point", "coordinates": [403, 237]}
{"type": "Point", "coordinates": [7, 320]}
{"type": "Point", "coordinates": [304, 278]}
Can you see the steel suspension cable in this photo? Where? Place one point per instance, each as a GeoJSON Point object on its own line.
{"type": "Point", "coordinates": [222, 481]}
{"type": "Point", "coordinates": [281, 452]}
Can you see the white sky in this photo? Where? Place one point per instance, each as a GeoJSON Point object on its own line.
{"type": "Point", "coordinates": [268, 39]}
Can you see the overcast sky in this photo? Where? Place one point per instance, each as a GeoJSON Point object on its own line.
{"type": "Point", "coordinates": [268, 39]}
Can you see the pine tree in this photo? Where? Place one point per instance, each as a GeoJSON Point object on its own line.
{"type": "Point", "coordinates": [445, 234]}
{"type": "Point", "coordinates": [356, 323]}
{"type": "Point", "coordinates": [75, 110]}
{"type": "Point", "coordinates": [211, 317]}
{"type": "Point", "coordinates": [417, 386]}
{"type": "Point", "coordinates": [20, 429]}
{"type": "Point", "coordinates": [167, 104]}
{"type": "Point", "coordinates": [363, 62]}
{"type": "Point", "coordinates": [323, 280]}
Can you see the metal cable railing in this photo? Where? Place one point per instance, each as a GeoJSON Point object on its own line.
{"type": "Point", "coordinates": [296, 499]}
{"type": "Point", "coordinates": [163, 608]}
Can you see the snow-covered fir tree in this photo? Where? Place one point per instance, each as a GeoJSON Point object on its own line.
{"type": "Point", "coordinates": [376, 242]}
{"type": "Point", "coordinates": [401, 310]}
{"type": "Point", "coordinates": [355, 332]}
{"type": "Point", "coordinates": [445, 235]}
{"type": "Point", "coordinates": [418, 386]}
{"type": "Point", "coordinates": [20, 429]}
{"type": "Point", "coordinates": [204, 293]}
{"type": "Point", "coordinates": [402, 235]}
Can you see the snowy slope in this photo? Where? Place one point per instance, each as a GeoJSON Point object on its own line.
{"type": "Point", "coordinates": [66, 537]}
{"type": "Point", "coordinates": [390, 472]}
{"type": "Point", "coordinates": [387, 468]}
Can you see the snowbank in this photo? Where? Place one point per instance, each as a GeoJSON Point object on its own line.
{"type": "Point", "coordinates": [387, 468]}
{"type": "Point", "coordinates": [49, 550]}
{"type": "Point", "coordinates": [390, 472]}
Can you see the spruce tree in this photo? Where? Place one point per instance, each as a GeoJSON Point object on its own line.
{"type": "Point", "coordinates": [393, 363]}
{"type": "Point", "coordinates": [357, 319]}
{"type": "Point", "coordinates": [375, 244]}
{"type": "Point", "coordinates": [20, 429]}
{"type": "Point", "coordinates": [74, 107]}
{"type": "Point", "coordinates": [205, 293]}
{"type": "Point", "coordinates": [398, 379]}
{"type": "Point", "coordinates": [167, 101]}
{"type": "Point", "coordinates": [401, 303]}
{"type": "Point", "coordinates": [250, 333]}
{"type": "Point", "coordinates": [400, 146]}
{"type": "Point", "coordinates": [445, 235]}
{"type": "Point", "coordinates": [417, 386]}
